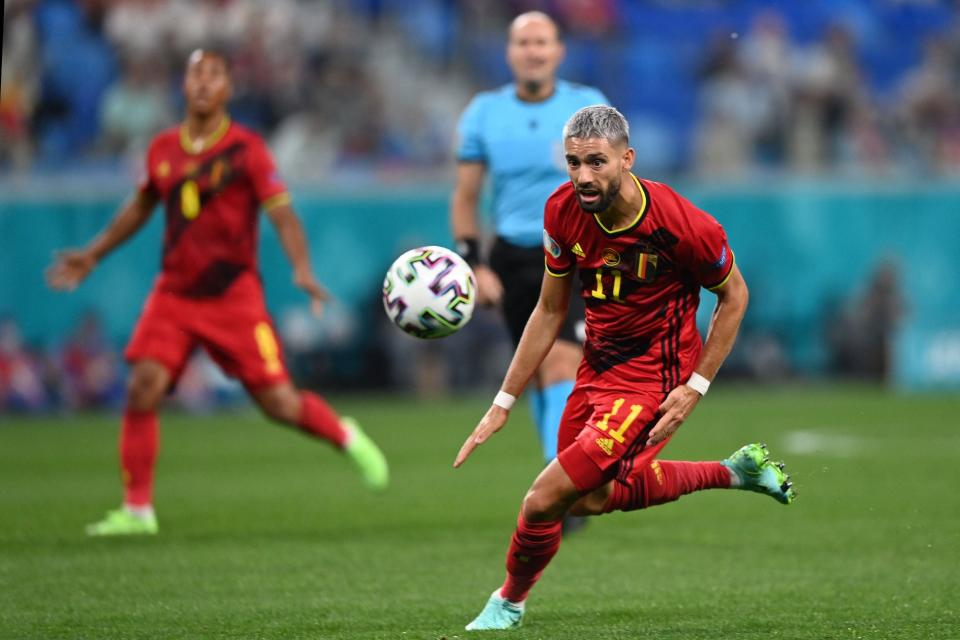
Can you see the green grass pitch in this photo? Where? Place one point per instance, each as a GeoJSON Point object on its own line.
{"type": "Point", "coordinates": [266, 534]}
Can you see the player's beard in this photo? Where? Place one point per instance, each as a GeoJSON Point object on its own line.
{"type": "Point", "coordinates": [606, 198]}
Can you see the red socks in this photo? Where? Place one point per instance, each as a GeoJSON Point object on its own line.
{"type": "Point", "coordinates": [318, 419]}
{"type": "Point", "coordinates": [139, 441]}
{"type": "Point", "coordinates": [532, 547]}
{"type": "Point", "coordinates": [535, 543]}
{"type": "Point", "coordinates": [664, 481]}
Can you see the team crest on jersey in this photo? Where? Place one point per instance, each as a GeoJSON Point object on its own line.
{"type": "Point", "coordinates": [647, 266]}
{"type": "Point", "coordinates": [163, 169]}
{"type": "Point", "coordinates": [551, 245]}
{"type": "Point", "coordinates": [611, 257]}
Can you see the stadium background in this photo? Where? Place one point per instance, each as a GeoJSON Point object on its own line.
{"type": "Point", "coordinates": [825, 135]}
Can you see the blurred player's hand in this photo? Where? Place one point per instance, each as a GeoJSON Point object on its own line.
{"type": "Point", "coordinates": [674, 410]}
{"type": "Point", "coordinates": [69, 269]}
{"type": "Point", "coordinates": [491, 422]}
{"type": "Point", "coordinates": [489, 287]}
{"type": "Point", "coordinates": [318, 295]}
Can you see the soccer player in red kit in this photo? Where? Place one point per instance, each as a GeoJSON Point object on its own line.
{"type": "Point", "coordinates": [213, 177]}
{"type": "Point", "coordinates": [641, 254]}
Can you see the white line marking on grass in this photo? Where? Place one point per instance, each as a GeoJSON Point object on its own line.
{"type": "Point", "coordinates": [836, 444]}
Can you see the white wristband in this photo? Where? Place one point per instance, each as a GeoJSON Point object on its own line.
{"type": "Point", "coordinates": [504, 400]}
{"type": "Point", "coordinates": [698, 383]}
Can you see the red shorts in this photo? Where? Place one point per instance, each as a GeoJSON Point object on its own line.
{"type": "Point", "coordinates": [235, 329]}
{"type": "Point", "coordinates": [603, 432]}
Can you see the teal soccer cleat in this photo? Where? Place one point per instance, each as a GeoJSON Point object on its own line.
{"type": "Point", "coordinates": [757, 473]}
{"type": "Point", "coordinates": [499, 613]}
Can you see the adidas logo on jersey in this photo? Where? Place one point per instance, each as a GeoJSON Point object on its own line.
{"type": "Point", "coordinates": [606, 445]}
{"type": "Point", "coordinates": [578, 250]}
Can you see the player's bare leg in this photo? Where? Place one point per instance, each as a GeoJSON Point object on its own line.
{"type": "Point", "coordinates": [553, 495]}
{"type": "Point", "coordinates": [555, 379]}
{"type": "Point", "coordinates": [311, 414]}
{"type": "Point", "coordinates": [147, 385]}
{"type": "Point", "coordinates": [534, 543]}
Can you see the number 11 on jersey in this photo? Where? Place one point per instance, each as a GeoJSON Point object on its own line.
{"type": "Point", "coordinates": [618, 433]}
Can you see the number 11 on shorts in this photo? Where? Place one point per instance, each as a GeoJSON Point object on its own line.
{"type": "Point", "coordinates": [617, 434]}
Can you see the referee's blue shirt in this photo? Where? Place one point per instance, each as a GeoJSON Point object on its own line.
{"type": "Point", "coordinates": [522, 147]}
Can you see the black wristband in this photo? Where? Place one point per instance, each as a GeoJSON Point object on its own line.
{"type": "Point", "coordinates": [469, 250]}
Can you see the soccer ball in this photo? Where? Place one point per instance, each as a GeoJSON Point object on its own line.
{"type": "Point", "coordinates": [429, 292]}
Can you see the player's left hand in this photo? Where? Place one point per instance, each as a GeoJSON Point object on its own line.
{"type": "Point", "coordinates": [674, 410]}
{"type": "Point", "coordinates": [318, 295]}
{"type": "Point", "coordinates": [492, 421]}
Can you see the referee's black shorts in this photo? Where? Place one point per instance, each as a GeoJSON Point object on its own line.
{"type": "Point", "coordinates": [521, 270]}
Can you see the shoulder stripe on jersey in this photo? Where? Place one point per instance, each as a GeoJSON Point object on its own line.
{"type": "Point", "coordinates": [645, 205]}
{"type": "Point", "coordinates": [277, 200]}
{"type": "Point", "coordinates": [187, 144]}
{"type": "Point", "coordinates": [733, 261]}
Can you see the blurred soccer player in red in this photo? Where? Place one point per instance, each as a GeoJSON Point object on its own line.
{"type": "Point", "coordinates": [642, 253]}
{"type": "Point", "coordinates": [213, 177]}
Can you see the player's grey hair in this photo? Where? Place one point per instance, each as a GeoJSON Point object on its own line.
{"type": "Point", "coordinates": [598, 121]}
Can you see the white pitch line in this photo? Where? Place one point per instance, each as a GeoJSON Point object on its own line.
{"type": "Point", "coordinates": [839, 445]}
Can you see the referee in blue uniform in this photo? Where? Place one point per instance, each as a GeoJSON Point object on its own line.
{"type": "Point", "coordinates": [514, 134]}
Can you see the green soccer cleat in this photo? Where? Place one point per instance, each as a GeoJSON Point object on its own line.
{"type": "Point", "coordinates": [367, 456]}
{"type": "Point", "coordinates": [752, 465]}
{"type": "Point", "coordinates": [123, 523]}
{"type": "Point", "coordinates": [499, 613]}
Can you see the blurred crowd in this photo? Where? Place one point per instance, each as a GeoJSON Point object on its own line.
{"type": "Point", "coordinates": [348, 88]}
{"type": "Point", "coordinates": [86, 371]}
{"type": "Point", "coordinates": [715, 88]}
{"type": "Point", "coordinates": [81, 373]}
{"type": "Point", "coordinates": [768, 102]}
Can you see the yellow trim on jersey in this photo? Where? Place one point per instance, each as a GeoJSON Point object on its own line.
{"type": "Point", "coordinates": [733, 263]}
{"type": "Point", "coordinates": [188, 145]}
{"type": "Point", "coordinates": [640, 213]}
{"type": "Point", "coordinates": [554, 273]}
{"type": "Point", "coordinates": [277, 200]}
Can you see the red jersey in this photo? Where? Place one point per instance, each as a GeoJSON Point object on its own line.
{"type": "Point", "coordinates": [212, 194]}
{"type": "Point", "coordinates": [641, 284]}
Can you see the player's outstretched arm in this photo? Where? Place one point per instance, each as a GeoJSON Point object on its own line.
{"type": "Point", "coordinates": [294, 245]}
{"type": "Point", "coordinates": [71, 266]}
{"type": "Point", "coordinates": [538, 336]}
{"type": "Point", "coordinates": [464, 205]}
{"type": "Point", "coordinates": [732, 300]}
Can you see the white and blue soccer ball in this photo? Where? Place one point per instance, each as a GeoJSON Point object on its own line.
{"type": "Point", "coordinates": [430, 292]}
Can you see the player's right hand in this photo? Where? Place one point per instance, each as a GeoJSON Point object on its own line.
{"type": "Point", "coordinates": [69, 269]}
{"type": "Point", "coordinates": [489, 287]}
{"type": "Point", "coordinates": [492, 421]}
